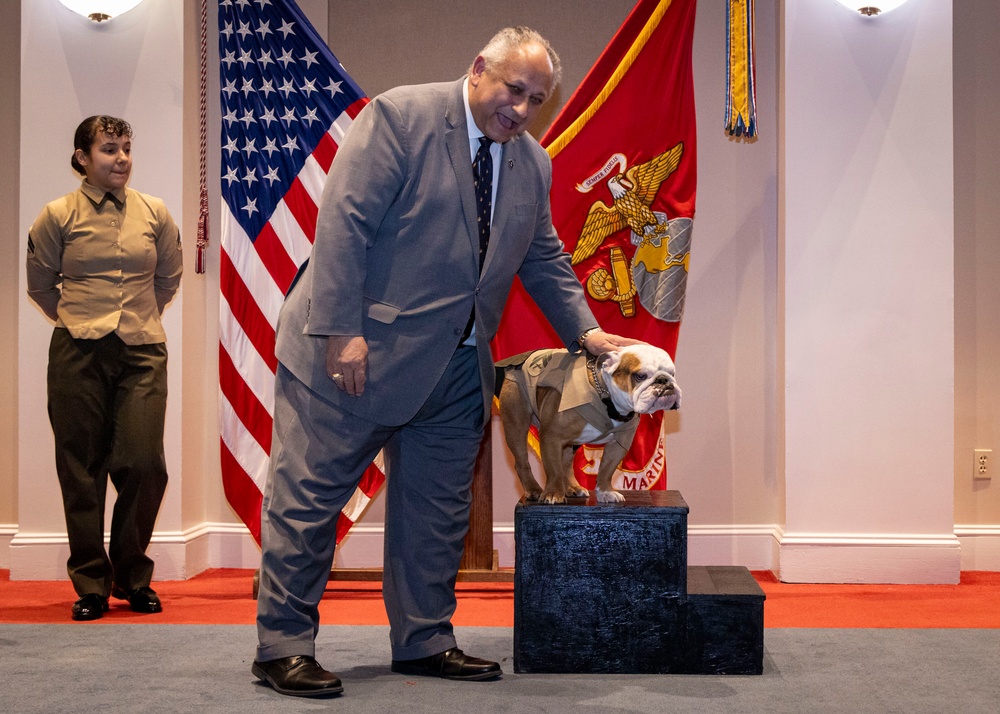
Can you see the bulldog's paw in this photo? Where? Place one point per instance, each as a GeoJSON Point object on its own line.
{"type": "Point", "coordinates": [532, 495]}
{"type": "Point", "coordinates": [609, 497]}
{"type": "Point", "coordinates": [577, 492]}
{"type": "Point", "coordinates": [552, 498]}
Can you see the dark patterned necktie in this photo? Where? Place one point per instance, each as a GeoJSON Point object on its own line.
{"type": "Point", "coordinates": [482, 173]}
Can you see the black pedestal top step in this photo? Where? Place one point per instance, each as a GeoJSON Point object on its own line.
{"type": "Point", "coordinates": [722, 581]}
{"type": "Point", "coordinates": [665, 502]}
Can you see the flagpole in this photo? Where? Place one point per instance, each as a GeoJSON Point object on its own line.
{"type": "Point", "coordinates": [479, 553]}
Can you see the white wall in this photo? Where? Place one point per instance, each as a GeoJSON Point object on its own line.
{"type": "Point", "coordinates": [724, 457]}
{"type": "Point", "coordinates": [868, 228]}
{"type": "Point", "coordinates": [129, 67]}
{"type": "Point", "coordinates": [977, 290]}
{"type": "Point", "coordinates": [11, 256]}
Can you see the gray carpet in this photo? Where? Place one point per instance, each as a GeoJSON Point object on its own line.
{"type": "Point", "coordinates": [192, 668]}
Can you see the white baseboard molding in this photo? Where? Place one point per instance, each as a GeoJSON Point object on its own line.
{"type": "Point", "coordinates": [752, 546]}
{"type": "Point", "coordinates": [7, 533]}
{"type": "Point", "coordinates": [813, 558]}
{"type": "Point", "coordinates": [863, 558]}
{"type": "Point", "coordinates": [178, 555]}
{"type": "Point", "coordinates": [980, 547]}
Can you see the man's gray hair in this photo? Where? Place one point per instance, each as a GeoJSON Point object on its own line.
{"type": "Point", "coordinates": [509, 39]}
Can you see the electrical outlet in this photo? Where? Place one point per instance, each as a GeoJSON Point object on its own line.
{"type": "Point", "coordinates": [981, 467]}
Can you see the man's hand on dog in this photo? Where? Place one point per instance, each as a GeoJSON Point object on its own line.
{"type": "Point", "coordinates": [347, 362]}
{"type": "Point", "coordinates": [599, 342]}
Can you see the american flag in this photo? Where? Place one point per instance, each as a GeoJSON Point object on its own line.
{"type": "Point", "coordinates": [286, 103]}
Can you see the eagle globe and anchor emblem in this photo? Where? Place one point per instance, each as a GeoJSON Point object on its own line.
{"type": "Point", "coordinates": [657, 271]}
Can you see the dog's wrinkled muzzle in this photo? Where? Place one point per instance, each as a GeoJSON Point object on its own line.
{"type": "Point", "coordinates": [662, 393]}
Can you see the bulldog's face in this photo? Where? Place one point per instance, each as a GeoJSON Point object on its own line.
{"type": "Point", "coordinates": [640, 379]}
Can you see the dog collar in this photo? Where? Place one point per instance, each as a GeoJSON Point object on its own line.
{"type": "Point", "coordinates": [595, 378]}
{"type": "Point", "coordinates": [614, 413]}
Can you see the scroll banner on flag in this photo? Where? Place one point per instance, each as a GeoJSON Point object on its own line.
{"type": "Point", "coordinates": [624, 175]}
{"type": "Point", "coordinates": [286, 104]}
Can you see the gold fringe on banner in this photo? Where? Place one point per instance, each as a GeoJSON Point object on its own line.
{"type": "Point", "coordinates": [741, 110]}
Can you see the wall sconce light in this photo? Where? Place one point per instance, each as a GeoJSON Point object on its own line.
{"type": "Point", "coordinates": [871, 7]}
{"type": "Point", "coordinates": [100, 10]}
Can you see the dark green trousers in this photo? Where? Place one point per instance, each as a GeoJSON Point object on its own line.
{"type": "Point", "coordinates": [107, 402]}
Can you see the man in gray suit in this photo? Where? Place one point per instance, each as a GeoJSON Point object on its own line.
{"type": "Point", "coordinates": [383, 343]}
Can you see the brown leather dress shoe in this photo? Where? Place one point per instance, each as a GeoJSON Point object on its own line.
{"type": "Point", "coordinates": [297, 676]}
{"type": "Point", "coordinates": [140, 599]}
{"type": "Point", "coordinates": [451, 664]}
{"type": "Point", "coordinates": [90, 607]}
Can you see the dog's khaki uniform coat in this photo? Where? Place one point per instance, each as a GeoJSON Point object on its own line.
{"type": "Point", "coordinates": [567, 373]}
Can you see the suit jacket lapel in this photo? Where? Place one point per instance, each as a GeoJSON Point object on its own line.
{"type": "Point", "coordinates": [457, 141]}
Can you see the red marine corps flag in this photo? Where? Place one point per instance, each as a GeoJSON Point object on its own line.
{"type": "Point", "coordinates": [623, 194]}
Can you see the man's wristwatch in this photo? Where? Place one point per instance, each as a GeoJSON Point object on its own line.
{"type": "Point", "coordinates": [585, 334]}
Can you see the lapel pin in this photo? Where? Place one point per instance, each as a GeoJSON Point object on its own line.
{"type": "Point", "coordinates": [510, 164]}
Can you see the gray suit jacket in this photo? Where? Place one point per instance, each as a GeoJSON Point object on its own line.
{"type": "Point", "coordinates": [396, 254]}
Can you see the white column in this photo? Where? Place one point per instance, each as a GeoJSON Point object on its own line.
{"type": "Point", "coordinates": [867, 219]}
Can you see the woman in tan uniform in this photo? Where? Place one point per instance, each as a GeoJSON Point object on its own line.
{"type": "Point", "coordinates": [103, 262]}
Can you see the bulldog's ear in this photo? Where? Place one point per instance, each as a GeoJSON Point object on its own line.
{"type": "Point", "coordinates": [609, 360]}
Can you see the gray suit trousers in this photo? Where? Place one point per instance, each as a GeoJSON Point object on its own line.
{"type": "Point", "coordinates": [318, 455]}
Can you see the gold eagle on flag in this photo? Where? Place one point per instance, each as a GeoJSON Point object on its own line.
{"type": "Point", "coordinates": [633, 192]}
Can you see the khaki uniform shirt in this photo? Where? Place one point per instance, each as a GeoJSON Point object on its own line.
{"type": "Point", "coordinates": [567, 373]}
{"type": "Point", "coordinates": [95, 268]}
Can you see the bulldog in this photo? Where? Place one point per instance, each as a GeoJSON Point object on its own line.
{"type": "Point", "coordinates": [576, 399]}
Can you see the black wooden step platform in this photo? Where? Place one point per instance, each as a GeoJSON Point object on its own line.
{"type": "Point", "coordinates": [724, 622]}
{"type": "Point", "coordinates": [605, 588]}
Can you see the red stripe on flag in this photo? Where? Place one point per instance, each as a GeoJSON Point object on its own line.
{"type": "Point", "coordinates": [343, 526]}
{"type": "Point", "coordinates": [274, 256]}
{"type": "Point", "coordinates": [356, 107]}
{"type": "Point", "coordinates": [301, 205]}
{"type": "Point", "coordinates": [246, 311]}
{"type": "Point", "coordinates": [241, 492]}
{"type": "Point", "coordinates": [325, 150]}
{"type": "Point", "coordinates": [371, 481]}
{"type": "Point", "coordinates": [244, 402]}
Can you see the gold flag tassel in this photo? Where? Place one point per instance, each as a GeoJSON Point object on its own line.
{"type": "Point", "coordinates": [741, 110]}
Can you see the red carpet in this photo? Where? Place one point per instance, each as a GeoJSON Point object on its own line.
{"type": "Point", "coordinates": [974, 603]}
{"type": "Point", "coordinates": [225, 596]}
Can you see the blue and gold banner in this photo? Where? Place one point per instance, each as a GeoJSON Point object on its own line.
{"type": "Point", "coordinates": [741, 110]}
